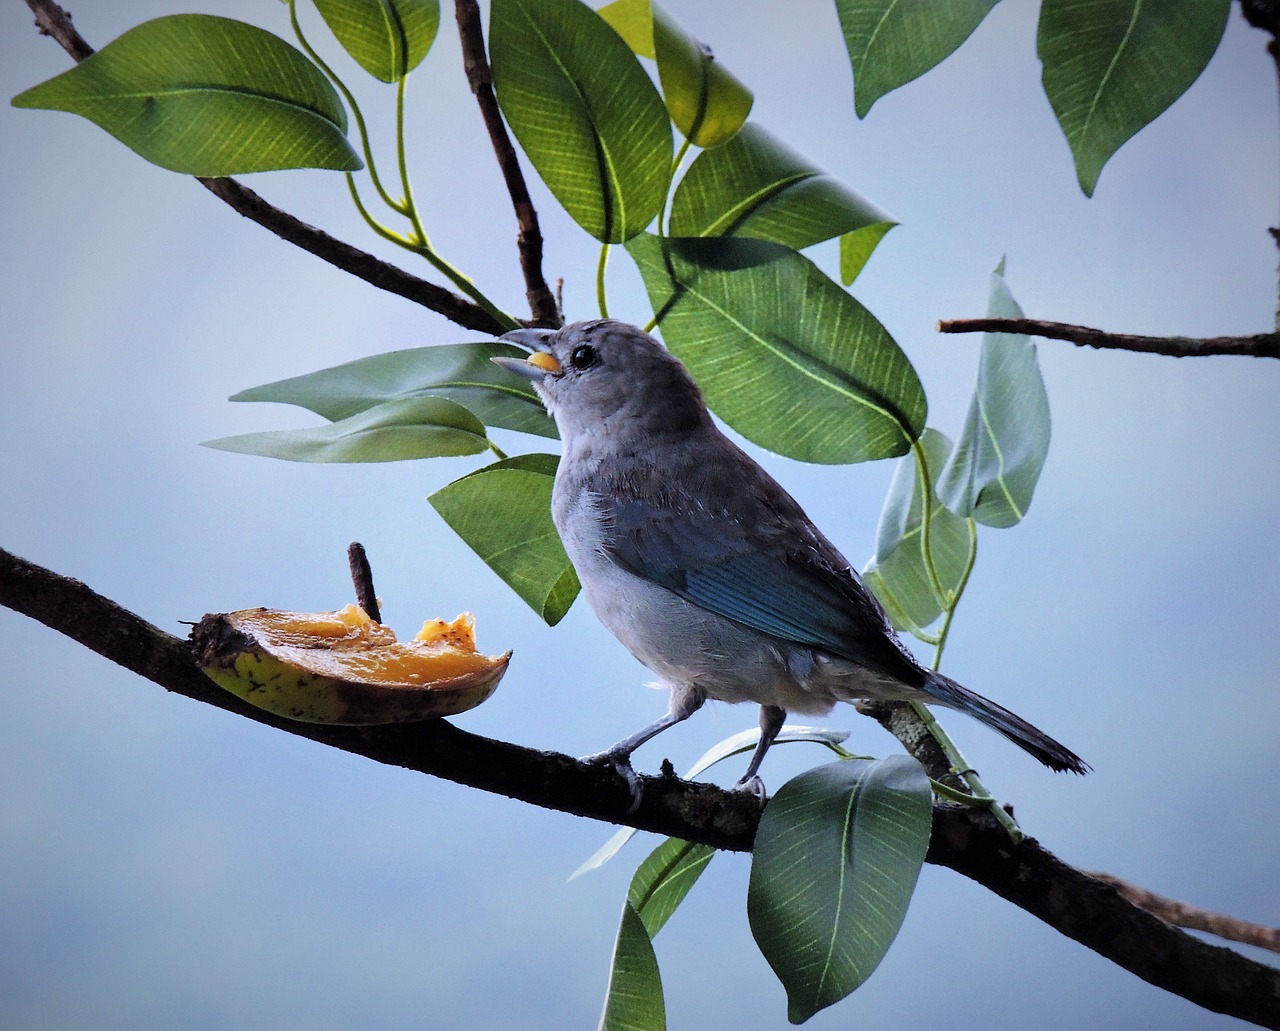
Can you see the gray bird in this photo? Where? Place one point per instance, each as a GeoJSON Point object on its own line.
{"type": "Point", "coordinates": [702, 565]}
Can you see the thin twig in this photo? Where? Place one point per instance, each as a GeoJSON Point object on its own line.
{"type": "Point", "coordinates": [1183, 914]}
{"type": "Point", "coordinates": [542, 305]}
{"type": "Point", "coordinates": [55, 22]}
{"type": "Point", "coordinates": [968, 841]}
{"type": "Point", "coordinates": [362, 581]}
{"type": "Point", "coordinates": [360, 264]}
{"type": "Point", "coordinates": [1260, 345]}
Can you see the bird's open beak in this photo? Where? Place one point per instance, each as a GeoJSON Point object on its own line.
{"type": "Point", "coordinates": [538, 364]}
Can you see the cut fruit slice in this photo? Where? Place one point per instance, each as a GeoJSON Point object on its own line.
{"type": "Point", "coordinates": [343, 668]}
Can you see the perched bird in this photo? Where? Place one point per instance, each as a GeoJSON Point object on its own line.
{"type": "Point", "coordinates": [701, 564]}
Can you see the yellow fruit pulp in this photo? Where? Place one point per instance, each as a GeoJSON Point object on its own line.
{"type": "Point", "coordinates": [350, 646]}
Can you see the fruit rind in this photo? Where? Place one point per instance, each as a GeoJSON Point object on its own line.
{"type": "Point", "coordinates": [342, 668]}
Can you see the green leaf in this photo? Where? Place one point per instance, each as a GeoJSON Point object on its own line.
{"type": "Point", "coordinates": [836, 859]}
{"type": "Point", "coordinates": [587, 115]}
{"type": "Point", "coordinates": [897, 572]}
{"type": "Point", "coordinates": [417, 427]}
{"type": "Point", "coordinates": [993, 470]}
{"type": "Point", "coordinates": [891, 42]}
{"type": "Point", "coordinates": [503, 512]}
{"type": "Point", "coordinates": [756, 186]}
{"type": "Point", "coordinates": [633, 21]}
{"type": "Point", "coordinates": [387, 38]}
{"type": "Point", "coordinates": [856, 248]}
{"type": "Point", "coordinates": [784, 356]}
{"type": "Point", "coordinates": [707, 102]}
{"type": "Point", "coordinates": [664, 879]}
{"type": "Point", "coordinates": [206, 96]}
{"type": "Point", "coordinates": [736, 744]}
{"type": "Point", "coordinates": [1112, 66]}
{"type": "Point", "coordinates": [634, 1000]}
{"type": "Point", "coordinates": [460, 372]}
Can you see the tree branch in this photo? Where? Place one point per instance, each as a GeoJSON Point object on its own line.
{"type": "Point", "coordinates": [1260, 345]}
{"type": "Point", "coordinates": [360, 264]}
{"type": "Point", "coordinates": [1181, 914]}
{"type": "Point", "coordinates": [55, 22]}
{"type": "Point", "coordinates": [542, 305]}
{"type": "Point", "coordinates": [1077, 904]}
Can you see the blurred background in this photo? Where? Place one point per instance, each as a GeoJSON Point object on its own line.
{"type": "Point", "coordinates": [164, 864]}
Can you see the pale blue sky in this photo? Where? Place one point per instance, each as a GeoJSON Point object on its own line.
{"type": "Point", "coordinates": [163, 864]}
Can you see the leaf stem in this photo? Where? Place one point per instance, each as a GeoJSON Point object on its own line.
{"type": "Point", "coordinates": [383, 231]}
{"type": "Point", "coordinates": [418, 242]}
{"type": "Point", "coordinates": [963, 769]}
{"type": "Point", "coordinates": [666, 198]}
{"type": "Point", "coordinates": [356, 114]}
{"type": "Point", "coordinates": [948, 602]}
{"type": "Point", "coordinates": [601, 299]}
{"type": "Point", "coordinates": [402, 162]}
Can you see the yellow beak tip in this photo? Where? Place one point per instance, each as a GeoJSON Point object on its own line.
{"type": "Point", "coordinates": [542, 360]}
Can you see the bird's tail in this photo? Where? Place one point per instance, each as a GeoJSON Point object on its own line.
{"type": "Point", "coordinates": [946, 691]}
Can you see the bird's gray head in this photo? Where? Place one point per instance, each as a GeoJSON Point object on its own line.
{"type": "Point", "coordinates": [607, 376]}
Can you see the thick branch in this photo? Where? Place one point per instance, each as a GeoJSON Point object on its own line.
{"type": "Point", "coordinates": [1095, 914]}
{"type": "Point", "coordinates": [968, 841]}
{"type": "Point", "coordinates": [529, 239]}
{"type": "Point", "coordinates": [55, 22]}
{"type": "Point", "coordinates": [1260, 345]}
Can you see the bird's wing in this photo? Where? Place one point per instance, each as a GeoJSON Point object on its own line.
{"type": "Point", "coordinates": [776, 575]}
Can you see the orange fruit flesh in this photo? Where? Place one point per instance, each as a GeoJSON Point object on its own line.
{"type": "Point", "coordinates": [349, 646]}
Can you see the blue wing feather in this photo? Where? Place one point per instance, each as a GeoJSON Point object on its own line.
{"type": "Point", "coordinates": [776, 575]}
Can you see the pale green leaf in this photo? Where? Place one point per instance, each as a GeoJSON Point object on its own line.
{"type": "Point", "coordinates": [993, 470]}
{"type": "Point", "coordinates": [394, 431]}
{"type": "Point", "coordinates": [835, 863]}
{"type": "Point", "coordinates": [503, 512]}
{"type": "Point", "coordinates": [634, 999]}
{"type": "Point", "coordinates": [707, 102]}
{"type": "Point", "coordinates": [891, 42]}
{"type": "Point", "coordinates": [206, 96]}
{"type": "Point", "coordinates": [664, 879]}
{"type": "Point", "coordinates": [755, 185]}
{"type": "Point", "coordinates": [856, 248]}
{"type": "Point", "coordinates": [633, 21]}
{"type": "Point", "coordinates": [586, 114]}
{"type": "Point", "coordinates": [784, 356]}
{"type": "Point", "coordinates": [1113, 66]}
{"type": "Point", "coordinates": [387, 38]}
{"type": "Point", "coordinates": [460, 372]}
{"type": "Point", "coordinates": [897, 572]}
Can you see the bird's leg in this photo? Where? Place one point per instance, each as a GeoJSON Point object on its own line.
{"type": "Point", "coordinates": [771, 719]}
{"type": "Point", "coordinates": [683, 705]}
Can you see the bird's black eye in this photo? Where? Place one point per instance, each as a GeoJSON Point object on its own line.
{"type": "Point", "coordinates": [583, 357]}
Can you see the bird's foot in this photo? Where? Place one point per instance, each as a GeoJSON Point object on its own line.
{"type": "Point", "coordinates": [754, 785]}
{"type": "Point", "coordinates": [621, 764]}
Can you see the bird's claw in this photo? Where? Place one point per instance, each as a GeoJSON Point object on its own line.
{"type": "Point", "coordinates": [754, 785]}
{"type": "Point", "coordinates": [621, 764]}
